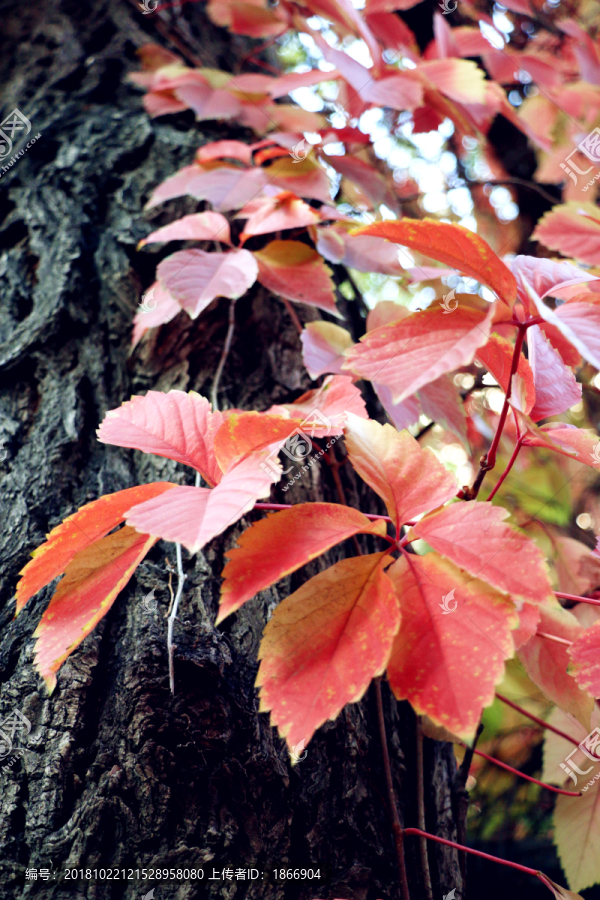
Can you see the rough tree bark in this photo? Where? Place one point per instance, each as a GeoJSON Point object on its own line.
{"type": "Point", "coordinates": [116, 771]}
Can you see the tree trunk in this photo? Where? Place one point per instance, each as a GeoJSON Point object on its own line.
{"type": "Point", "coordinates": [116, 772]}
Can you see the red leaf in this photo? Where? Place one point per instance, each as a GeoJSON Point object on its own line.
{"type": "Point", "coordinates": [296, 271]}
{"type": "Point", "coordinates": [556, 388]}
{"type": "Point", "coordinates": [93, 579]}
{"type": "Point", "coordinates": [206, 226]}
{"type": "Point", "coordinates": [453, 245]}
{"type": "Point", "coordinates": [475, 537]}
{"type": "Point", "coordinates": [305, 178]}
{"type": "Point", "coordinates": [195, 278]}
{"type": "Point", "coordinates": [415, 351]}
{"type": "Point", "coordinates": [225, 149]}
{"type": "Point", "coordinates": [497, 357]}
{"type": "Point", "coordinates": [177, 425]}
{"type": "Point", "coordinates": [325, 643]}
{"type": "Point", "coordinates": [409, 480]}
{"type": "Point", "coordinates": [546, 663]}
{"type": "Point", "coordinates": [193, 516]}
{"type": "Point", "coordinates": [573, 229]}
{"type": "Point", "coordinates": [77, 532]}
{"type": "Point", "coordinates": [300, 534]}
{"type": "Point", "coordinates": [447, 665]}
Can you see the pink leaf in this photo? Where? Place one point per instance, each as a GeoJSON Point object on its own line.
{"type": "Point", "coordinates": [226, 186]}
{"type": "Point", "coordinates": [271, 214]}
{"type": "Point", "coordinates": [177, 425]}
{"type": "Point", "coordinates": [366, 253]}
{"type": "Point", "coordinates": [409, 354]}
{"type": "Point", "coordinates": [556, 388]}
{"type": "Point", "coordinates": [540, 277]}
{"type": "Point", "coordinates": [194, 516]}
{"type": "Point", "coordinates": [573, 229]}
{"type": "Point", "coordinates": [323, 345]}
{"type": "Point", "coordinates": [158, 307]}
{"type": "Point", "coordinates": [337, 397]}
{"type": "Point", "coordinates": [205, 226]}
{"type": "Point", "coordinates": [195, 277]}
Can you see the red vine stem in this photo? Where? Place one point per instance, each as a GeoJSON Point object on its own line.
{"type": "Point", "coordinates": [491, 455]}
{"type": "Point", "coordinates": [496, 859]}
{"type": "Point", "coordinates": [553, 637]}
{"type": "Point", "coordinates": [578, 599]}
{"type": "Point", "coordinates": [543, 784]}
{"type": "Point", "coordinates": [511, 463]}
{"type": "Point", "coordinates": [541, 722]}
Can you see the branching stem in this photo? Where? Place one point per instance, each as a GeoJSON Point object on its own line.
{"type": "Point", "coordinates": [181, 579]}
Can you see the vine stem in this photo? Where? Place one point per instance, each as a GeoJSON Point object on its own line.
{"type": "Point", "coordinates": [225, 353]}
{"type": "Point", "coordinates": [537, 720]}
{"type": "Point", "coordinates": [421, 811]}
{"type": "Point", "coordinates": [496, 859]}
{"type": "Point", "coordinates": [396, 826]}
{"type": "Point", "coordinates": [488, 461]}
{"type": "Point", "coordinates": [511, 463]}
{"type": "Point", "coordinates": [180, 582]}
{"type": "Point", "coordinates": [590, 600]}
{"type": "Point", "coordinates": [503, 765]}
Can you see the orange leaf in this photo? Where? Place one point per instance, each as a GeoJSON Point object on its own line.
{"type": "Point", "coordinates": [296, 271]}
{"type": "Point", "coordinates": [299, 534]}
{"type": "Point", "coordinates": [86, 526]}
{"type": "Point", "coordinates": [447, 663]}
{"type": "Point", "coordinates": [409, 479]}
{"type": "Point", "coordinates": [453, 245]}
{"type": "Point", "coordinates": [244, 432]}
{"type": "Point", "coordinates": [325, 643]}
{"type": "Point", "coordinates": [92, 581]}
